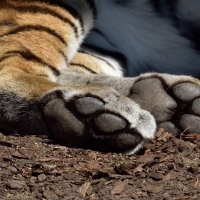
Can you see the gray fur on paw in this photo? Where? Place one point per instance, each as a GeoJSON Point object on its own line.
{"type": "Point", "coordinates": [117, 120]}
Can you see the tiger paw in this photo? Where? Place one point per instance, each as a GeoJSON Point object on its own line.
{"type": "Point", "coordinates": [99, 114]}
{"type": "Point", "coordinates": [174, 101]}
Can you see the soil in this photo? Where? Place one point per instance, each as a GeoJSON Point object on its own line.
{"type": "Point", "coordinates": [33, 167]}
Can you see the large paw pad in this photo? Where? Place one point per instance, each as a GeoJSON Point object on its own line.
{"type": "Point", "coordinates": [176, 108]}
{"type": "Point", "coordinates": [188, 97]}
{"type": "Point", "coordinates": [80, 120]}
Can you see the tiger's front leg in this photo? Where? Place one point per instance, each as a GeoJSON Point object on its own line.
{"type": "Point", "coordinates": [74, 115]}
{"type": "Point", "coordinates": [38, 41]}
{"type": "Point", "coordinates": [174, 101]}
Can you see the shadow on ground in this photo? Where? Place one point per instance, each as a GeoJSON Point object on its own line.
{"type": "Point", "coordinates": [33, 167]}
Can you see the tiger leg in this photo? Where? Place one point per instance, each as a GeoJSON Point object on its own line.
{"type": "Point", "coordinates": [92, 112]}
{"type": "Point", "coordinates": [38, 41]}
{"type": "Point", "coordinates": [74, 115]}
{"type": "Point", "coordinates": [172, 100]}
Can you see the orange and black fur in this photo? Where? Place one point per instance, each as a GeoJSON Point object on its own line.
{"type": "Point", "coordinates": [38, 41]}
{"type": "Point", "coordinates": [51, 85]}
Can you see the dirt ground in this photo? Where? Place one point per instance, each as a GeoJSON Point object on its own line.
{"type": "Point", "coordinates": [33, 167]}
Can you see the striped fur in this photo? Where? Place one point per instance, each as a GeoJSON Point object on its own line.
{"type": "Point", "coordinates": [40, 34]}
{"type": "Point", "coordinates": [38, 40]}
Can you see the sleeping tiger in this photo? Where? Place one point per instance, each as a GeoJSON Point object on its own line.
{"type": "Point", "coordinates": [63, 62]}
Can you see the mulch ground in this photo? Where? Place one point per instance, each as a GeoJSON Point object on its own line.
{"type": "Point", "coordinates": [33, 167]}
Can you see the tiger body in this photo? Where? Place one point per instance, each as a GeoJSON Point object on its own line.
{"type": "Point", "coordinates": [52, 84]}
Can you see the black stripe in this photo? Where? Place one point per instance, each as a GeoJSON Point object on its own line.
{"type": "Point", "coordinates": [119, 57]}
{"type": "Point", "coordinates": [43, 75]}
{"type": "Point", "coordinates": [5, 57]}
{"type": "Point", "coordinates": [84, 67]}
{"type": "Point", "coordinates": [74, 12]}
{"type": "Point", "coordinates": [86, 52]}
{"type": "Point", "coordinates": [93, 7]}
{"type": "Point", "coordinates": [69, 8]}
{"type": "Point", "coordinates": [28, 55]}
{"type": "Point", "coordinates": [44, 10]}
{"type": "Point", "coordinates": [36, 28]}
{"type": "Point", "coordinates": [64, 56]}
{"type": "Point", "coordinates": [7, 23]}
{"type": "Point", "coordinates": [61, 4]}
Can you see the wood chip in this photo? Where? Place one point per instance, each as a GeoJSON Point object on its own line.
{"type": "Point", "coordinates": [156, 176]}
{"type": "Point", "coordinates": [118, 187]}
{"type": "Point", "coordinates": [15, 184]}
{"type": "Point", "coordinates": [48, 159]}
{"type": "Point", "coordinates": [84, 188]}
